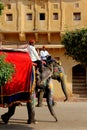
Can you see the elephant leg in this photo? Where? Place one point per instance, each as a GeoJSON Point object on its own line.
{"type": "Point", "coordinates": [11, 110]}
{"type": "Point", "coordinates": [40, 98]}
{"type": "Point", "coordinates": [53, 102]}
{"type": "Point", "coordinates": [49, 99]}
{"type": "Point", "coordinates": [63, 85]}
{"type": "Point", "coordinates": [31, 110]}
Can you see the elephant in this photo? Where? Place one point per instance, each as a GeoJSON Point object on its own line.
{"type": "Point", "coordinates": [57, 73]}
{"type": "Point", "coordinates": [44, 88]}
{"type": "Point", "coordinates": [31, 87]}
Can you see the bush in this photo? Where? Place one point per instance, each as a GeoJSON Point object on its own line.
{"type": "Point", "coordinates": [6, 70]}
{"type": "Point", "coordinates": [75, 43]}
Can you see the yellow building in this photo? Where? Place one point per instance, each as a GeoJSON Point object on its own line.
{"type": "Point", "coordinates": [45, 21]}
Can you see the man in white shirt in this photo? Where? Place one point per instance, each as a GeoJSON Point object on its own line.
{"type": "Point", "coordinates": [44, 54]}
{"type": "Point", "coordinates": [34, 55]}
{"type": "Point", "coordinates": [32, 51]}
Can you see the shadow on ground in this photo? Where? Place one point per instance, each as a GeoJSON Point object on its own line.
{"type": "Point", "coordinates": [15, 125]}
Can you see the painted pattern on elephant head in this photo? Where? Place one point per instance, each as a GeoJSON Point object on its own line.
{"type": "Point", "coordinates": [57, 70]}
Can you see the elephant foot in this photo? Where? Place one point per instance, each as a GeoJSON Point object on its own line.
{"type": "Point", "coordinates": [4, 119]}
{"type": "Point", "coordinates": [39, 105]}
{"type": "Point", "coordinates": [53, 103]}
{"type": "Point", "coordinates": [32, 121]}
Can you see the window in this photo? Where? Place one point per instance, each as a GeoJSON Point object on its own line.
{"type": "Point", "coordinates": [9, 17]}
{"type": "Point", "coordinates": [76, 5]}
{"type": "Point", "coordinates": [29, 6]}
{"type": "Point", "coordinates": [29, 16]}
{"type": "Point", "coordinates": [76, 16]}
{"type": "Point", "coordinates": [55, 16]}
{"type": "Point", "coordinates": [42, 16]}
{"type": "Point", "coordinates": [43, 6]}
{"type": "Point", "coordinates": [55, 6]}
{"type": "Point", "coordinates": [41, 0]}
{"type": "Point", "coordinates": [8, 6]}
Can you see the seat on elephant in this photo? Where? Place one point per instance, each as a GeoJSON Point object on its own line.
{"type": "Point", "coordinates": [20, 87]}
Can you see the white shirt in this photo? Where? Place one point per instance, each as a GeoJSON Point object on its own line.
{"type": "Point", "coordinates": [33, 53]}
{"type": "Point", "coordinates": [43, 54]}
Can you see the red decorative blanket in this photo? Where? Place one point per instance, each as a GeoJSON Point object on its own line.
{"type": "Point", "coordinates": [19, 88]}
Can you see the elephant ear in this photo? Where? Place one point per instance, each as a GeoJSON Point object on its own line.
{"type": "Point", "coordinates": [46, 73]}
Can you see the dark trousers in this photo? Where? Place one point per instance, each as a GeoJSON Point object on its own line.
{"type": "Point", "coordinates": [39, 65]}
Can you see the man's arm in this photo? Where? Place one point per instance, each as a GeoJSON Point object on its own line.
{"type": "Point", "coordinates": [36, 54]}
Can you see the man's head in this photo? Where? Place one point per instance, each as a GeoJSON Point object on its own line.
{"type": "Point", "coordinates": [44, 48]}
{"type": "Point", "coordinates": [31, 42]}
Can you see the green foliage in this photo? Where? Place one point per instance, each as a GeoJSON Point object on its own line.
{"type": "Point", "coordinates": [1, 7]}
{"type": "Point", "coordinates": [0, 12]}
{"type": "Point", "coordinates": [75, 43]}
{"type": "Point", "coordinates": [6, 70]}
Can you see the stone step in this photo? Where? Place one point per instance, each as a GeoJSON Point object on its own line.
{"type": "Point", "coordinates": [80, 89]}
{"type": "Point", "coordinates": [81, 95]}
{"type": "Point", "coordinates": [77, 97]}
{"type": "Point", "coordinates": [80, 86]}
